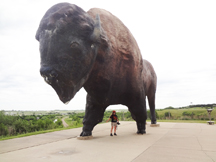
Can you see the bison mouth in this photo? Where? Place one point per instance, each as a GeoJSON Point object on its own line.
{"type": "Point", "coordinates": [64, 91]}
{"type": "Point", "coordinates": [64, 85]}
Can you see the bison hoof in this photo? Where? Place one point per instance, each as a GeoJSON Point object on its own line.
{"type": "Point", "coordinates": [153, 122]}
{"type": "Point", "coordinates": [85, 134]}
{"type": "Point", "coordinates": [141, 132]}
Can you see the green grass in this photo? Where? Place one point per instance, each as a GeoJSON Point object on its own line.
{"type": "Point", "coordinates": [177, 113]}
{"type": "Point", "coordinates": [183, 121]}
{"type": "Point", "coordinates": [38, 132]}
{"type": "Point", "coordinates": [68, 121]}
{"type": "Point", "coordinates": [72, 124]}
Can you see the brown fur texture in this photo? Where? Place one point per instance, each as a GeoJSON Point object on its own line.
{"type": "Point", "coordinates": [106, 58]}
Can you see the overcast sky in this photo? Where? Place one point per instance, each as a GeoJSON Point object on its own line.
{"type": "Point", "coordinates": [177, 36]}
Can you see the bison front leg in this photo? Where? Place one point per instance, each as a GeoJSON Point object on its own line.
{"type": "Point", "coordinates": [138, 112]}
{"type": "Point", "coordinates": [93, 115]}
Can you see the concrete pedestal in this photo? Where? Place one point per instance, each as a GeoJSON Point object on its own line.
{"type": "Point", "coordinates": [210, 122]}
{"type": "Point", "coordinates": [155, 125]}
{"type": "Point", "coordinates": [84, 138]}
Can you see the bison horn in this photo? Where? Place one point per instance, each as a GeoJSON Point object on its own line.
{"type": "Point", "coordinates": [97, 30]}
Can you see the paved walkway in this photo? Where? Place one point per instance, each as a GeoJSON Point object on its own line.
{"type": "Point", "coordinates": [63, 121]}
{"type": "Point", "coordinates": [171, 142]}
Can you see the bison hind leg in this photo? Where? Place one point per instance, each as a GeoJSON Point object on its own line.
{"type": "Point", "coordinates": [151, 101]}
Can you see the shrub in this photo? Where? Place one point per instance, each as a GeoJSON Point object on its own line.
{"type": "Point", "coordinates": [59, 123]}
{"type": "Point", "coordinates": [21, 126]}
{"type": "Point", "coordinates": [186, 113]}
{"type": "Point", "coordinates": [149, 115]}
{"type": "Point", "coordinates": [185, 118]}
{"type": "Point", "coordinates": [3, 130]}
{"type": "Point", "coordinates": [41, 123]}
{"type": "Point", "coordinates": [167, 114]}
{"type": "Point", "coordinates": [128, 115]}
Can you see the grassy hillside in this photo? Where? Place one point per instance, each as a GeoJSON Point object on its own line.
{"type": "Point", "coordinates": [198, 113]}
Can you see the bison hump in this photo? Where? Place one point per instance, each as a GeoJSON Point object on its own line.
{"type": "Point", "coordinates": [121, 40]}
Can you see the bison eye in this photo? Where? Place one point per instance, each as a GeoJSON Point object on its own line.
{"type": "Point", "coordinates": [74, 45]}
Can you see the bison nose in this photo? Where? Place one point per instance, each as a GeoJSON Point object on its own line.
{"type": "Point", "coordinates": [49, 74]}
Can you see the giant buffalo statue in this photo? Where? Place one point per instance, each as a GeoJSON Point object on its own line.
{"type": "Point", "coordinates": [95, 50]}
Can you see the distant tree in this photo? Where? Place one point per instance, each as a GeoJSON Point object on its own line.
{"type": "Point", "coordinates": [21, 126]}
{"type": "Point", "coordinates": [186, 113]}
{"type": "Point", "coordinates": [149, 114]}
{"type": "Point", "coordinates": [128, 115]}
{"type": "Point", "coordinates": [59, 123]}
{"type": "Point", "coordinates": [3, 130]}
{"type": "Point", "coordinates": [167, 114]}
{"type": "Point", "coordinates": [29, 117]}
{"type": "Point", "coordinates": [47, 123]}
{"type": "Point", "coordinates": [41, 124]}
{"type": "Point", "coordinates": [170, 107]}
{"type": "Point", "coordinates": [81, 115]}
{"type": "Point", "coordinates": [77, 121]}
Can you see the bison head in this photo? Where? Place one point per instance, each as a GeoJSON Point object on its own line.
{"type": "Point", "coordinates": [69, 39]}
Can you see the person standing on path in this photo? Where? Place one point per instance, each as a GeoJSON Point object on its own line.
{"type": "Point", "coordinates": [114, 120]}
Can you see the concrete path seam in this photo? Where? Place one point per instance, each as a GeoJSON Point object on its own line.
{"type": "Point", "coordinates": [201, 145]}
